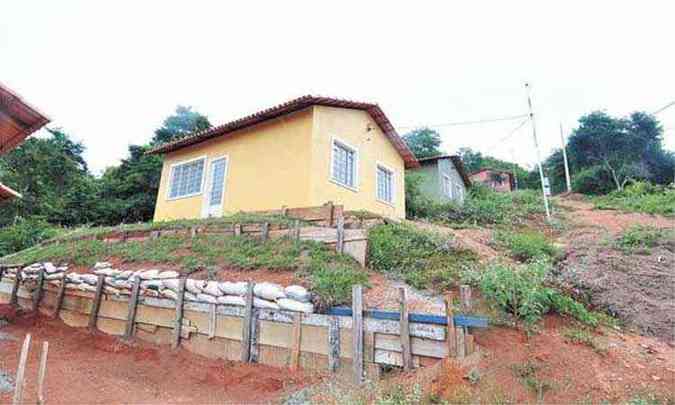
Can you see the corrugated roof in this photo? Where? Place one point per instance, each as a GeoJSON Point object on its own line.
{"type": "Point", "coordinates": [18, 119]}
{"type": "Point", "coordinates": [456, 160]}
{"type": "Point", "coordinates": [291, 106]}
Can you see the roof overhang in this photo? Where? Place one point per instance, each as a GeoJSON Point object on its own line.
{"type": "Point", "coordinates": [18, 119]}
{"type": "Point", "coordinates": [7, 193]}
{"type": "Point", "coordinates": [289, 107]}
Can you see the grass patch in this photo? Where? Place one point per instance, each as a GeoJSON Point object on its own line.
{"type": "Point", "coordinates": [585, 337]}
{"type": "Point", "coordinates": [525, 246]}
{"type": "Point", "coordinates": [423, 259]}
{"type": "Point", "coordinates": [643, 237]}
{"type": "Point", "coordinates": [640, 197]}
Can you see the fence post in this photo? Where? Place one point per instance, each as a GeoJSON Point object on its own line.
{"type": "Point", "coordinates": [14, 299]}
{"type": "Point", "coordinates": [406, 353]}
{"type": "Point", "coordinates": [461, 347]}
{"type": "Point", "coordinates": [131, 315]}
{"type": "Point", "coordinates": [21, 371]}
{"type": "Point", "coordinates": [97, 302]}
{"type": "Point", "coordinates": [265, 231]}
{"type": "Point", "coordinates": [37, 295]}
{"type": "Point", "coordinates": [333, 344]}
{"type": "Point", "coordinates": [297, 340]}
{"type": "Point", "coordinates": [246, 325]}
{"type": "Point", "coordinates": [340, 242]}
{"type": "Point", "coordinates": [450, 337]}
{"type": "Point", "coordinates": [42, 372]}
{"type": "Point", "coordinates": [179, 313]}
{"type": "Point", "coordinates": [59, 297]}
{"type": "Point", "coordinates": [357, 333]}
{"type": "Point", "coordinates": [465, 297]}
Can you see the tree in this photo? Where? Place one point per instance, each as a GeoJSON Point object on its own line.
{"type": "Point", "coordinates": [423, 142]}
{"type": "Point", "coordinates": [475, 160]}
{"type": "Point", "coordinates": [182, 123]}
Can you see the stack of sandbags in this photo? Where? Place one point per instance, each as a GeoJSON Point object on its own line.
{"type": "Point", "coordinates": [30, 274]}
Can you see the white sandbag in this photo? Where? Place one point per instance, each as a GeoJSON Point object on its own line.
{"type": "Point", "coordinates": [150, 293]}
{"type": "Point", "coordinates": [260, 303]}
{"type": "Point", "coordinates": [194, 286]}
{"type": "Point", "coordinates": [171, 284]}
{"type": "Point", "coordinates": [72, 286]}
{"type": "Point", "coordinates": [121, 284]}
{"type": "Point", "coordinates": [55, 282]}
{"type": "Point", "coordinates": [211, 288]}
{"type": "Point", "coordinates": [50, 268]}
{"type": "Point", "coordinates": [54, 276]}
{"type": "Point", "coordinates": [231, 300]}
{"type": "Point", "coordinates": [297, 306]}
{"type": "Point", "coordinates": [149, 274]}
{"type": "Point", "coordinates": [102, 265]}
{"type": "Point", "coordinates": [229, 288]}
{"type": "Point", "coordinates": [168, 274]}
{"type": "Point", "coordinates": [62, 268]}
{"type": "Point", "coordinates": [207, 298]}
{"type": "Point", "coordinates": [73, 278]}
{"type": "Point", "coordinates": [298, 293]}
{"type": "Point", "coordinates": [125, 274]}
{"type": "Point", "coordinates": [89, 278]}
{"type": "Point", "coordinates": [111, 290]}
{"type": "Point", "coordinates": [169, 294]}
{"type": "Point", "coordinates": [190, 296]}
{"type": "Point", "coordinates": [269, 291]}
{"type": "Point", "coordinates": [107, 272]}
{"type": "Point", "coordinates": [152, 284]}
{"type": "Point", "coordinates": [86, 287]}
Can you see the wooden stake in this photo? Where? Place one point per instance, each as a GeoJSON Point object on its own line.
{"type": "Point", "coordinates": [465, 297]}
{"type": "Point", "coordinates": [296, 230]}
{"type": "Point", "coordinates": [97, 302]}
{"type": "Point", "coordinates": [2, 271]}
{"type": "Point", "coordinates": [357, 333]}
{"type": "Point", "coordinates": [14, 299]}
{"type": "Point", "coordinates": [21, 371]}
{"type": "Point", "coordinates": [59, 297]}
{"type": "Point", "coordinates": [246, 325]}
{"type": "Point", "coordinates": [265, 231]}
{"type": "Point", "coordinates": [37, 294]}
{"type": "Point", "coordinates": [450, 336]}
{"type": "Point", "coordinates": [470, 344]}
{"type": "Point", "coordinates": [461, 348]}
{"type": "Point", "coordinates": [253, 358]}
{"type": "Point", "coordinates": [406, 352]}
{"type": "Point", "coordinates": [340, 242]}
{"type": "Point", "coordinates": [237, 229]}
{"type": "Point", "coordinates": [42, 373]}
{"type": "Point", "coordinates": [333, 344]}
{"type": "Point", "coordinates": [179, 313]}
{"type": "Point", "coordinates": [193, 232]}
{"type": "Point", "coordinates": [212, 321]}
{"type": "Point", "coordinates": [133, 302]}
{"type": "Point", "coordinates": [297, 338]}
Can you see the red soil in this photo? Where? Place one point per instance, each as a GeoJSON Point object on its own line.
{"type": "Point", "coordinates": [97, 369]}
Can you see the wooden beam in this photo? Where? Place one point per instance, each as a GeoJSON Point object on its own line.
{"type": "Point", "coordinates": [14, 299]}
{"type": "Point", "coordinates": [459, 320]}
{"type": "Point", "coordinates": [461, 345]}
{"type": "Point", "coordinates": [255, 332]}
{"type": "Point", "coordinates": [297, 340]}
{"type": "Point", "coordinates": [405, 331]}
{"type": "Point", "coordinates": [265, 231]}
{"type": "Point", "coordinates": [465, 297]}
{"type": "Point", "coordinates": [333, 344]}
{"type": "Point", "coordinates": [212, 321]}
{"type": "Point", "coordinates": [340, 242]}
{"type": "Point", "coordinates": [357, 334]}
{"type": "Point", "coordinates": [296, 230]}
{"type": "Point", "coordinates": [59, 297]}
{"type": "Point", "coordinates": [37, 294]}
{"type": "Point", "coordinates": [450, 336]}
{"type": "Point", "coordinates": [470, 344]}
{"type": "Point", "coordinates": [97, 302]}
{"type": "Point", "coordinates": [21, 372]}
{"type": "Point", "coordinates": [246, 325]}
{"type": "Point", "coordinates": [179, 313]}
{"type": "Point", "coordinates": [42, 372]}
{"type": "Point", "coordinates": [133, 305]}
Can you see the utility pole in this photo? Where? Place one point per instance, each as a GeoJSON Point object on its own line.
{"type": "Point", "coordinates": [567, 167]}
{"type": "Point", "coordinates": [536, 145]}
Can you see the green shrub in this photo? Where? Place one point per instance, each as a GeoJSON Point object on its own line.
{"type": "Point", "coordinates": [644, 237]}
{"type": "Point", "coordinates": [594, 180]}
{"type": "Point", "coordinates": [24, 234]}
{"type": "Point", "coordinates": [333, 282]}
{"type": "Point", "coordinates": [527, 245]}
{"type": "Point", "coordinates": [423, 259]}
{"type": "Point", "coordinates": [640, 197]}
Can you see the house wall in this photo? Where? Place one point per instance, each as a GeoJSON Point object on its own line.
{"type": "Point", "coordinates": [432, 186]}
{"type": "Point", "coordinates": [268, 167]}
{"type": "Point", "coordinates": [447, 168]}
{"type": "Point", "coordinates": [351, 127]}
{"type": "Point", "coordinates": [486, 177]}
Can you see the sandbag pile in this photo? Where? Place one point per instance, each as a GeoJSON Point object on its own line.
{"type": "Point", "coordinates": [30, 274]}
{"type": "Point", "coordinates": [164, 284]}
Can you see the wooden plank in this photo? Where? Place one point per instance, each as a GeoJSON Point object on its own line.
{"type": "Point", "coordinates": [42, 372]}
{"type": "Point", "coordinates": [59, 298]}
{"type": "Point", "coordinates": [96, 303]}
{"type": "Point", "coordinates": [255, 337]}
{"type": "Point", "coordinates": [2, 271]}
{"type": "Point", "coordinates": [418, 346]}
{"type": "Point", "coordinates": [465, 297]}
{"type": "Point", "coordinates": [21, 371]}
{"type": "Point", "coordinates": [265, 231]}
{"type": "Point", "coordinates": [246, 326]}
{"type": "Point", "coordinates": [14, 300]}
{"type": "Point", "coordinates": [296, 229]}
{"type": "Point", "coordinates": [459, 320]}
{"type": "Point", "coordinates": [461, 348]}
{"type": "Point", "coordinates": [37, 294]}
{"type": "Point", "coordinates": [340, 243]}
{"type": "Point", "coordinates": [212, 321]}
{"type": "Point", "coordinates": [450, 337]}
{"type": "Point", "coordinates": [133, 304]}
{"type": "Point", "coordinates": [333, 344]}
{"type": "Point", "coordinates": [179, 313]}
{"type": "Point", "coordinates": [405, 331]}
{"type": "Point", "coordinates": [297, 340]}
{"type": "Point", "coordinates": [357, 334]}
{"type": "Point", "coordinates": [470, 344]}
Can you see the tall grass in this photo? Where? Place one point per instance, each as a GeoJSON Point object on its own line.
{"type": "Point", "coordinates": [640, 197]}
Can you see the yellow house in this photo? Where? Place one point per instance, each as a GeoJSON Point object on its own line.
{"type": "Point", "coordinates": [301, 153]}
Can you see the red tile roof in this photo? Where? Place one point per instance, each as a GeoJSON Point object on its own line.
{"type": "Point", "coordinates": [18, 119]}
{"type": "Point", "coordinates": [291, 106]}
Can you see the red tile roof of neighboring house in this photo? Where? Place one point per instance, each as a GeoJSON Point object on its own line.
{"type": "Point", "coordinates": [485, 169]}
{"type": "Point", "coordinates": [291, 106]}
{"type": "Point", "coordinates": [456, 160]}
{"type": "Point", "coordinates": [7, 193]}
{"type": "Point", "coordinates": [18, 119]}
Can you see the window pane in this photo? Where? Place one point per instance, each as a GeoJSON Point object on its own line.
{"type": "Point", "coordinates": [385, 185]}
{"type": "Point", "coordinates": [344, 165]}
{"type": "Point", "coordinates": [186, 179]}
{"type": "Point", "coordinates": [218, 181]}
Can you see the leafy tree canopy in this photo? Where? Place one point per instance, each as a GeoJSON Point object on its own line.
{"type": "Point", "coordinates": [182, 123]}
{"type": "Point", "coordinates": [423, 142]}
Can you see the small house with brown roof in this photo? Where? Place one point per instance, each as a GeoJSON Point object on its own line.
{"type": "Point", "coordinates": [305, 152]}
{"type": "Point", "coordinates": [498, 180]}
{"type": "Point", "coordinates": [443, 178]}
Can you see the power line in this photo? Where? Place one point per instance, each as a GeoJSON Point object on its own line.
{"type": "Point", "coordinates": [510, 134]}
{"type": "Point", "coordinates": [663, 108]}
{"type": "Point", "coordinates": [453, 124]}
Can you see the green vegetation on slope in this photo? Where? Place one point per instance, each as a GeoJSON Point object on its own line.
{"type": "Point", "coordinates": [643, 237]}
{"type": "Point", "coordinates": [640, 197]}
{"type": "Point", "coordinates": [527, 245]}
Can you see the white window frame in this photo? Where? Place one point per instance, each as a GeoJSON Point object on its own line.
{"type": "Point", "coordinates": [447, 186]}
{"type": "Point", "coordinates": [206, 200]}
{"type": "Point", "coordinates": [380, 165]}
{"type": "Point", "coordinates": [170, 179]}
{"type": "Point", "coordinates": [355, 150]}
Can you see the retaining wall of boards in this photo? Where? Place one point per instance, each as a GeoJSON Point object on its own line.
{"type": "Point", "coordinates": [357, 345]}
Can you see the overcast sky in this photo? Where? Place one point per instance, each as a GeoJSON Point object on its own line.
{"type": "Point", "coordinates": [110, 72]}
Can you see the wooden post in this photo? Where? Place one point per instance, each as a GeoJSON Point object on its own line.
{"type": "Point", "coordinates": [470, 344]}
{"type": "Point", "coordinates": [193, 232]}
{"type": "Point", "coordinates": [179, 313]}
{"type": "Point", "coordinates": [357, 333]}
{"type": "Point", "coordinates": [331, 213]}
{"type": "Point", "coordinates": [265, 231]}
{"type": "Point", "coordinates": [461, 348]}
{"type": "Point", "coordinates": [42, 372]}
{"type": "Point", "coordinates": [2, 271]}
{"type": "Point", "coordinates": [59, 297]}
{"type": "Point", "coordinates": [296, 230]}
{"type": "Point", "coordinates": [133, 302]}
{"type": "Point", "coordinates": [340, 242]}
{"type": "Point", "coordinates": [21, 371]}
{"type": "Point", "coordinates": [406, 353]}
{"type": "Point", "coordinates": [450, 337]}
{"type": "Point", "coordinates": [253, 358]}
{"type": "Point", "coordinates": [246, 325]}
{"type": "Point", "coordinates": [97, 302]}
{"type": "Point", "coordinates": [14, 299]}
{"type": "Point", "coordinates": [284, 211]}
{"type": "Point", "coordinates": [37, 294]}
{"type": "Point", "coordinates": [465, 297]}
{"type": "Point", "coordinates": [212, 321]}
{"type": "Point", "coordinates": [297, 339]}
{"type": "Point", "coordinates": [237, 229]}
{"type": "Point", "coordinates": [333, 344]}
